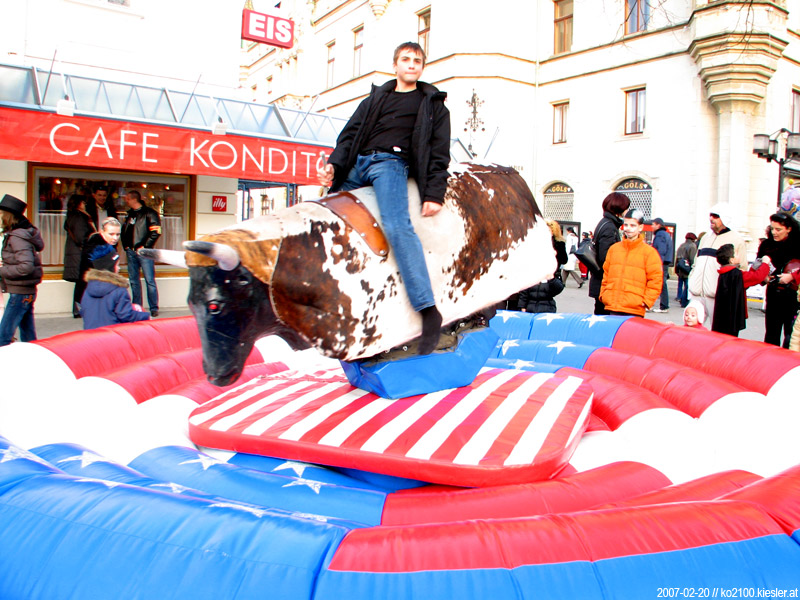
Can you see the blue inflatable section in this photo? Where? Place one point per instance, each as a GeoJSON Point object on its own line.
{"type": "Point", "coordinates": [174, 546]}
{"type": "Point", "coordinates": [298, 492]}
{"type": "Point", "coordinates": [442, 370]}
{"type": "Point", "coordinates": [546, 342]}
{"type": "Point", "coordinates": [334, 475]}
{"type": "Point", "coordinates": [765, 562]}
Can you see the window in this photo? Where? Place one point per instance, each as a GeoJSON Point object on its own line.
{"type": "Point", "coordinates": [634, 111]}
{"type": "Point", "coordinates": [560, 122]}
{"type": "Point", "coordinates": [358, 44]}
{"type": "Point", "coordinates": [563, 26]}
{"type": "Point", "coordinates": [424, 29]}
{"type": "Point", "coordinates": [640, 194]}
{"type": "Point", "coordinates": [254, 90]}
{"type": "Point", "coordinates": [795, 111]}
{"type": "Point", "coordinates": [558, 202]}
{"type": "Point", "coordinates": [637, 13]}
{"type": "Point", "coordinates": [269, 85]}
{"type": "Point", "coordinates": [331, 59]}
{"type": "Point", "coordinates": [168, 195]}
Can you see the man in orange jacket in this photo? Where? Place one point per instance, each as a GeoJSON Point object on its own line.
{"type": "Point", "coordinates": [633, 275]}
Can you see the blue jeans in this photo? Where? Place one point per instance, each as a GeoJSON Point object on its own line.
{"type": "Point", "coordinates": [148, 267]}
{"type": "Point", "coordinates": [388, 174]}
{"type": "Point", "coordinates": [18, 314]}
{"type": "Point", "coordinates": [664, 290]}
{"type": "Point", "coordinates": [683, 290]}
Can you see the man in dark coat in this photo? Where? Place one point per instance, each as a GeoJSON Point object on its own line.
{"type": "Point", "coordinates": [401, 129]}
{"type": "Point", "coordinates": [662, 241]}
{"type": "Point", "coordinates": [141, 230]}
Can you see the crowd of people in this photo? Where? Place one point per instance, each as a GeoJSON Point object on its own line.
{"type": "Point", "coordinates": [402, 129]}
{"type": "Point", "coordinates": [712, 270]}
{"type": "Point", "coordinates": [91, 262]}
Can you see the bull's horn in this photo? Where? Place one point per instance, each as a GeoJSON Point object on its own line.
{"type": "Point", "coordinates": [168, 257]}
{"type": "Point", "coordinates": [227, 257]}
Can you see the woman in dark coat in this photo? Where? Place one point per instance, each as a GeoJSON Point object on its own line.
{"type": "Point", "coordinates": [782, 246]}
{"type": "Point", "coordinates": [605, 235]}
{"type": "Point", "coordinates": [20, 270]}
{"type": "Point", "coordinates": [79, 227]}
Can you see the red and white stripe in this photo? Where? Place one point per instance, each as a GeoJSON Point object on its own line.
{"type": "Point", "coordinates": [505, 418]}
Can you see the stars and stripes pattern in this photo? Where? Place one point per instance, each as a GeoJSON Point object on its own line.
{"type": "Point", "coordinates": [504, 421]}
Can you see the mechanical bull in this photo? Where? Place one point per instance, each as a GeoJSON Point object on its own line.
{"type": "Point", "coordinates": [321, 273]}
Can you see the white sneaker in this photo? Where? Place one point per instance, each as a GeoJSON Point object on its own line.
{"type": "Point", "coordinates": [659, 310]}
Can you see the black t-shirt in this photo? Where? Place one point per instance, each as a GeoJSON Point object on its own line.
{"type": "Point", "coordinates": [393, 129]}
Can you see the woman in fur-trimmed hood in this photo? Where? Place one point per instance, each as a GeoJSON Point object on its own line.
{"type": "Point", "coordinates": [106, 300]}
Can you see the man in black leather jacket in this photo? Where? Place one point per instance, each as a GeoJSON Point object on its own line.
{"type": "Point", "coordinates": [401, 130]}
{"type": "Point", "coordinates": [141, 230]}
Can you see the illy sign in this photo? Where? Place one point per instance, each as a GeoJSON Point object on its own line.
{"type": "Point", "coordinates": [219, 203]}
{"type": "Point", "coordinates": [267, 29]}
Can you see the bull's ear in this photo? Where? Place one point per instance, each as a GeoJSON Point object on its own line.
{"type": "Point", "coordinates": [168, 257]}
{"type": "Point", "coordinates": [226, 256]}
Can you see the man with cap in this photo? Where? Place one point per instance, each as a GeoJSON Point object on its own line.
{"type": "Point", "coordinates": [662, 242]}
{"type": "Point", "coordinates": [632, 271]}
{"type": "Point", "coordinates": [106, 300]}
{"type": "Point", "coordinates": [20, 270]}
{"type": "Point", "coordinates": [704, 275]}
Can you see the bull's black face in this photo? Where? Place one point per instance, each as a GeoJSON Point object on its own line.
{"type": "Point", "coordinates": [232, 309]}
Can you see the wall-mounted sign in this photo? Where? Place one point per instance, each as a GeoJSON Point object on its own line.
{"type": "Point", "coordinates": [50, 138]}
{"type": "Point", "coordinates": [633, 184]}
{"type": "Point", "coordinates": [559, 188]}
{"type": "Point", "coordinates": [219, 203]}
{"type": "Point", "coordinates": [267, 29]}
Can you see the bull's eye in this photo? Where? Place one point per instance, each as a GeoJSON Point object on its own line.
{"type": "Point", "coordinates": [214, 307]}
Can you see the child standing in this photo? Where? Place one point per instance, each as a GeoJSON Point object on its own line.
{"type": "Point", "coordinates": [730, 307]}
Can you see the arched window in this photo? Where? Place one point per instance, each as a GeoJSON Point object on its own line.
{"type": "Point", "coordinates": [558, 202]}
{"type": "Point", "coordinates": [640, 193]}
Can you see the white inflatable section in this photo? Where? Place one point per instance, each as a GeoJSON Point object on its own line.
{"type": "Point", "coordinates": [275, 349]}
{"type": "Point", "coordinates": [746, 430]}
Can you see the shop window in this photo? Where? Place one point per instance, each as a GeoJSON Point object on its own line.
{"type": "Point", "coordinates": [563, 26]}
{"type": "Point", "coordinates": [358, 45]}
{"type": "Point", "coordinates": [560, 122]}
{"type": "Point", "coordinates": [559, 200]}
{"type": "Point", "coordinates": [640, 193]}
{"type": "Point", "coordinates": [53, 188]}
{"type": "Point", "coordinates": [634, 111]}
{"type": "Point", "coordinates": [424, 29]}
{"type": "Point", "coordinates": [637, 13]}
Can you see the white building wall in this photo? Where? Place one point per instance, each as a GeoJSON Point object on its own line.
{"type": "Point", "coordinates": [695, 151]}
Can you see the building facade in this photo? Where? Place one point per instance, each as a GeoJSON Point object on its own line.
{"type": "Point", "coordinates": [659, 100]}
{"type": "Point", "coordinates": [144, 95]}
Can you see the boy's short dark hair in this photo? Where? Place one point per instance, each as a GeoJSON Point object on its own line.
{"type": "Point", "coordinates": [725, 253]}
{"type": "Point", "coordinates": [409, 46]}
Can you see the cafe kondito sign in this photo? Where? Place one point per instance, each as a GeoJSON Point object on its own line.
{"type": "Point", "coordinates": [86, 141]}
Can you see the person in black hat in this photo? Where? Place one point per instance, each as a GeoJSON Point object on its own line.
{"type": "Point", "coordinates": [20, 270]}
{"type": "Point", "coordinates": [106, 300]}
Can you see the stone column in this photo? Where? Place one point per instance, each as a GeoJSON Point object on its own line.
{"type": "Point", "coordinates": [736, 46]}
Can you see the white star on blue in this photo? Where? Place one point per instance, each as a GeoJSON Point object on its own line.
{"type": "Point", "coordinates": [560, 346]}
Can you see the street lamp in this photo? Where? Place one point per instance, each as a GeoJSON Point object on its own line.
{"type": "Point", "coordinates": [767, 147]}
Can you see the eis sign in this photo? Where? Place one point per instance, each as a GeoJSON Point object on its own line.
{"type": "Point", "coordinates": [267, 29]}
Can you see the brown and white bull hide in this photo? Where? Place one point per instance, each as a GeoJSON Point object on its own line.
{"type": "Point", "coordinates": [325, 283]}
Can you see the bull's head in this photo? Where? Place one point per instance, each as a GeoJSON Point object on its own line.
{"type": "Point", "coordinates": [231, 306]}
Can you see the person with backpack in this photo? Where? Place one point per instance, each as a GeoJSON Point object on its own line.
{"type": "Point", "coordinates": [684, 259]}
